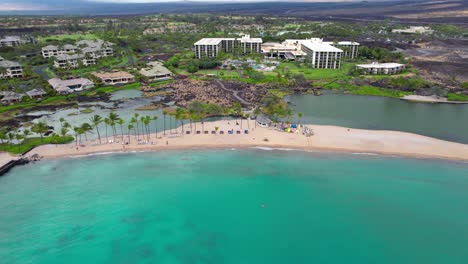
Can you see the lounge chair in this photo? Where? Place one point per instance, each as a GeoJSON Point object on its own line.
{"type": "Point", "coordinates": [187, 132]}
{"type": "Point", "coordinates": [206, 132]}
{"type": "Point", "coordinates": [246, 131]}
{"type": "Point", "coordinates": [230, 132]}
{"type": "Point", "coordinates": [238, 132]}
{"type": "Point", "coordinates": [221, 132]}
{"type": "Point", "coordinates": [198, 132]}
{"type": "Point", "coordinates": [213, 132]}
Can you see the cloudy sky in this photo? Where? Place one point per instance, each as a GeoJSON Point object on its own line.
{"type": "Point", "coordinates": [38, 5]}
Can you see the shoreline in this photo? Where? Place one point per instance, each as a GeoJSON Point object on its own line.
{"type": "Point", "coordinates": [429, 99]}
{"type": "Point", "coordinates": [325, 139]}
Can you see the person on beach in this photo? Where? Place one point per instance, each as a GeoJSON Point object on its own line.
{"type": "Point", "coordinates": [167, 143]}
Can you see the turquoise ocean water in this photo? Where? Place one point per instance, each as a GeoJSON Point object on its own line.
{"type": "Point", "coordinates": [235, 206]}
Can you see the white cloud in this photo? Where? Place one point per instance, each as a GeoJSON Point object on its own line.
{"type": "Point", "coordinates": [22, 7]}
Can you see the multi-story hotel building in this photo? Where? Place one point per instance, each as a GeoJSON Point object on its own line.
{"type": "Point", "coordinates": [210, 47]}
{"type": "Point", "coordinates": [85, 52]}
{"type": "Point", "coordinates": [318, 53]}
{"type": "Point", "coordinates": [10, 69]}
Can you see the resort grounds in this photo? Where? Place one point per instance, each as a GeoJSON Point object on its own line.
{"type": "Point", "coordinates": [324, 138]}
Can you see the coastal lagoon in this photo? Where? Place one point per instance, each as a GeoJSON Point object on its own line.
{"type": "Point", "coordinates": [443, 121]}
{"type": "Point", "coordinates": [235, 206]}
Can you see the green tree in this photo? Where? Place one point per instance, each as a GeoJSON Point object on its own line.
{"type": "Point", "coordinates": [96, 120]}
{"type": "Point", "coordinates": [40, 128]}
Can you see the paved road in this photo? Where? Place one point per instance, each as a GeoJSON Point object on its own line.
{"type": "Point", "coordinates": [40, 71]}
{"type": "Point", "coordinates": [233, 92]}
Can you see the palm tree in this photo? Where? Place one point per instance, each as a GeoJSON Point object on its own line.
{"type": "Point", "coordinates": [63, 131]}
{"type": "Point", "coordinates": [107, 122]}
{"type": "Point", "coordinates": [155, 118]}
{"type": "Point", "coordinates": [3, 135]}
{"type": "Point", "coordinates": [26, 133]}
{"type": "Point", "coordinates": [40, 128]}
{"type": "Point", "coordinates": [96, 120]}
{"type": "Point", "coordinates": [256, 112]}
{"type": "Point", "coordinates": [130, 127]}
{"type": "Point", "coordinates": [134, 121]}
{"type": "Point", "coordinates": [248, 120]}
{"type": "Point", "coordinates": [113, 117]}
{"type": "Point", "coordinates": [121, 122]}
{"type": "Point", "coordinates": [66, 125]}
{"type": "Point", "coordinates": [62, 120]}
{"type": "Point", "coordinates": [164, 115]}
{"type": "Point", "coordinates": [146, 121]}
{"type": "Point", "coordinates": [299, 115]}
{"type": "Point", "coordinates": [10, 137]}
{"type": "Point", "coordinates": [180, 114]}
{"type": "Point", "coordinates": [86, 128]}
{"type": "Point", "coordinates": [77, 132]}
{"type": "Point", "coordinates": [18, 138]}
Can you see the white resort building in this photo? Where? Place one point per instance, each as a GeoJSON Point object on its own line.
{"type": "Point", "coordinates": [85, 52]}
{"type": "Point", "coordinates": [12, 41]}
{"type": "Point", "coordinates": [319, 53]}
{"type": "Point", "coordinates": [381, 68]}
{"type": "Point", "coordinates": [10, 69]}
{"type": "Point", "coordinates": [210, 47]}
{"type": "Point", "coordinates": [414, 30]}
{"type": "Point", "coordinates": [71, 85]}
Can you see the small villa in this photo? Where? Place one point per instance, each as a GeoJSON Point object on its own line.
{"type": "Point", "coordinates": [263, 121]}
{"type": "Point", "coordinates": [381, 68]}
{"type": "Point", "coordinates": [36, 93]}
{"type": "Point", "coordinates": [155, 71]}
{"type": "Point", "coordinates": [115, 78]}
{"type": "Point", "coordinates": [72, 85]}
{"type": "Point", "coordinates": [11, 97]}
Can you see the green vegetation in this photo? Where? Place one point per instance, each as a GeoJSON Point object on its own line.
{"type": "Point", "coordinates": [67, 37]}
{"type": "Point", "coordinates": [457, 97]}
{"type": "Point", "coordinates": [291, 68]}
{"type": "Point", "coordinates": [111, 89]}
{"type": "Point", "coordinates": [32, 142]}
{"type": "Point", "coordinates": [375, 91]}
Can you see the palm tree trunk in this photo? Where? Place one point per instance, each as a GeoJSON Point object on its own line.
{"type": "Point", "coordinates": [164, 125]}
{"type": "Point", "coordinates": [98, 134]}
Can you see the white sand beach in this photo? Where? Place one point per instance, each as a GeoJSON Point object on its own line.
{"type": "Point", "coordinates": [325, 138]}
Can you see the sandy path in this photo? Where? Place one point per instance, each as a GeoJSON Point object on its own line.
{"type": "Point", "coordinates": [326, 138]}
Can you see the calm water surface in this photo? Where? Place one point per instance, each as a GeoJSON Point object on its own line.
{"type": "Point", "coordinates": [235, 206]}
{"type": "Point", "coordinates": [444, 121]}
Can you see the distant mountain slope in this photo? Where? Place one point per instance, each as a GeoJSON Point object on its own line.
{"type": "Point", "coordinates": [404, 10]}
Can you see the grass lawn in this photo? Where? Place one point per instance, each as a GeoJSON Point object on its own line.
{"type": "Point", "coordinates": [111, 89]}
{"type": "Point", "coordinates": [318, 74]}
{"type": "Point", "coordinates": [34, 142]}
{"type": "Point", "coordinates": [68, 36]}
{"type": "Point", "coordinates": [457, 97]}
{"type": "Point", "coordinates": [375, 91]}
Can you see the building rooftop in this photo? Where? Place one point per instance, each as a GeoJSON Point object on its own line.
{"type": "Point", "coordinates": [62, 57]}
{"type": "Point", "coordinates": [319, 46]}
{"type": "Point", "coordinates": [210, 41]}
{"type": "Point", "coordinates": [11, 38]}
{"type": "Point", "coordinates": [50, 47]}
{"type": "Point", "coordinates": [155, 68]}
{"type": "Point", "coordinates": [35, 92]}
{"type": "Point", "coordinates": [380, 65]}
{"type": "Point", "coordinates": [12, 96]}
{"type": "Point", "coordinates": [9, 64]}
{"type": "Point", "coordinates": [111, 75]}
{"type": "Point", "coordinates": [63, 85]}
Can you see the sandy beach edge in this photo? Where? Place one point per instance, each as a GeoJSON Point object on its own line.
{"type": "Point", "coordinates": [327, 139]}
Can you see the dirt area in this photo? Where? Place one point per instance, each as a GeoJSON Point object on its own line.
{"type": "Point", "coordinates": [441, 61]}
{"type": "Point", "coordinates": [186, 91]}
